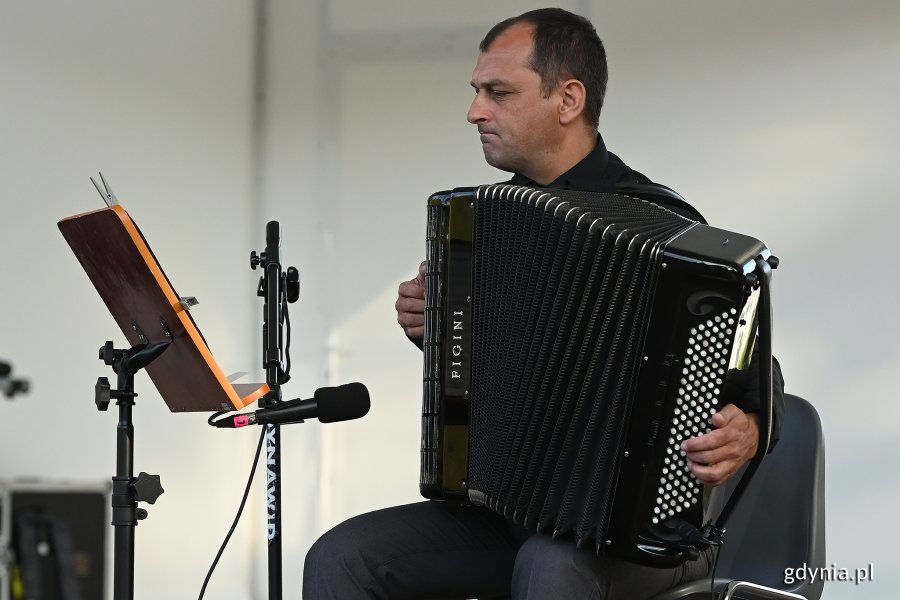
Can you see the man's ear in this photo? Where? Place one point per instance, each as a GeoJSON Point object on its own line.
{"type": "Point", "coordinates": [572, 99]}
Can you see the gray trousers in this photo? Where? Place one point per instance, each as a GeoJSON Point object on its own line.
{"type": "Point", "coordinates": [431, 550]}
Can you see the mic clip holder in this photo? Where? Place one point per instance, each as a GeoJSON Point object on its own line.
{"type": "Point", "coordinates": [281, 404]}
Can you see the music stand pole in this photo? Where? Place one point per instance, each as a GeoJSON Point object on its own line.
{"type": "Point", "coordinates": [127, 490]}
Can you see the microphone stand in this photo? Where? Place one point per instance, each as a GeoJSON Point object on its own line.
{"type": "Point", "coordinates": [277, 288]}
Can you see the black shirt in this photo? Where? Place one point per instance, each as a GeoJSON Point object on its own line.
{"type": "Point", "coordinates": [599, 171]}
{"type": "Point", "coordinates": [604, 172]}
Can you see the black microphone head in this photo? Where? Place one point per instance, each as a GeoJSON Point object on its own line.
{"type": "Point", "coordinates": [342, 403]}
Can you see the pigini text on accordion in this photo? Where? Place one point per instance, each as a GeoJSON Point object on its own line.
{"type": "Point", "coordinates": [573, 341]}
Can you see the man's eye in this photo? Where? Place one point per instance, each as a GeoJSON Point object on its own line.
{"type": "Point", "coordinates": [499, 93]}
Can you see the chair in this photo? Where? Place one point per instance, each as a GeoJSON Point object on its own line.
{"type": "Point", "coordinates": [778, 524]}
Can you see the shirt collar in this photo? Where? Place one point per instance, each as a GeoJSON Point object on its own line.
{"type": "Point", "coordinates": [586, 175]}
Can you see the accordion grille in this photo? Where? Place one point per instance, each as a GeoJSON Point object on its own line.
{"type": "Point", "coordinates": [562, 286]}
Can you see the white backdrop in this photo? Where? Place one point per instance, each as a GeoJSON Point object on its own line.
{"type": "Point", "coordinates": [776, 119]}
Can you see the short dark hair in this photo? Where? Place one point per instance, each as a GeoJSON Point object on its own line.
{"type": "Point", "coordinates": [565, 45]}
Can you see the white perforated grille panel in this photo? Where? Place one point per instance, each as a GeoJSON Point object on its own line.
{"type": "Point", "coordinates": [706, 361]}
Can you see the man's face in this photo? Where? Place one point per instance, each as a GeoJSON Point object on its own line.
{"type": "Point", "coordinates": [519, 127]}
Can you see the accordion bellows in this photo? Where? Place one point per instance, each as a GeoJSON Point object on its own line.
{"type": "Point", "coordinates": [573, 340]}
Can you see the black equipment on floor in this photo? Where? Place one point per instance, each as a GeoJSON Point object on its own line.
{"type": "Point", "coordinates": [52, 540]}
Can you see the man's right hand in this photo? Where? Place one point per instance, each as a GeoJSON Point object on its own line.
{"type": "Point", "coordinates": [410, 305]}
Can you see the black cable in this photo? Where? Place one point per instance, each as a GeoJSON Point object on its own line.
{"type": "Point", "coordinates": [212, 418]}
{"type": "Point", "coordinates": [287, 341]}
{"type": "Point", "coordinates": [237, 517]}
{"type": "Point", "coordinates": [286, 375]}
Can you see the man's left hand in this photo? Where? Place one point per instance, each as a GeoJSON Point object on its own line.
{"type": "Point", "coordinates": [715, 456]}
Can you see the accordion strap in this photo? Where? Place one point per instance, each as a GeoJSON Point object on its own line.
{"type": "Point", "coordinates": [638, 185]}
{"type": "Point", "coordinates": [763, 274]}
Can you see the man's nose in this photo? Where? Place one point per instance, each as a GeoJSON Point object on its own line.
{"type": "Point", "coordinates": [476, 111]}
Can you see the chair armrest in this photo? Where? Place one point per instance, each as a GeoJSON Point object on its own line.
{"type": "Point", "coordinates": [751, 591]}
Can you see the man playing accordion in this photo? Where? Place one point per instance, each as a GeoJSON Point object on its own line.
{"type": "Point", "coordinates": [539, 84]}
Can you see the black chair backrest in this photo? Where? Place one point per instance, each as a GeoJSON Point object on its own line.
{"type": "Point", "coordinates": [780, 522]}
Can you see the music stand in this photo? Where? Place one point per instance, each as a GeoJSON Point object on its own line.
{"type": "Point", "coordinates": [164, 339]}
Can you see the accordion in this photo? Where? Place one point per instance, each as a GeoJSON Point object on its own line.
{"type": "Point", "coordinates": [573, 341]}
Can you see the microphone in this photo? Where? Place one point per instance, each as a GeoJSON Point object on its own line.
{"type": "Point", "coordinates": [329, 405]}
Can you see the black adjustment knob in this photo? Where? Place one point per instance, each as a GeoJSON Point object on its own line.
{"type": "Point", "coordinates": [102, 393]}
{"type": "Point", "coordinates": [147, 488]}
{"type": "Point", "coordinates": [751, 280]}
{"type": "Point", "coordinates": [141, 514]}
{"type": "Point", "coordinates": [773, 262]}
{"type": "Point", "coordinates": [254, 260]}
{"type": "Point", "coordinates": [108, 354]}
{"type": "Point", "coordinates": [292, 284]}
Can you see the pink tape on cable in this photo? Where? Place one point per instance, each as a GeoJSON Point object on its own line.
{"type": "Point", "coordinates": [242, 421]}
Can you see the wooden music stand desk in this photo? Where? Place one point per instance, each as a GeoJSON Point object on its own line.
{"type": "Point", "coordinates": [120, 264]}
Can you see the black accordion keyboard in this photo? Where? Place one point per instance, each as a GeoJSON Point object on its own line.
{"type": "Point", "coordinates": [573, 340]}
